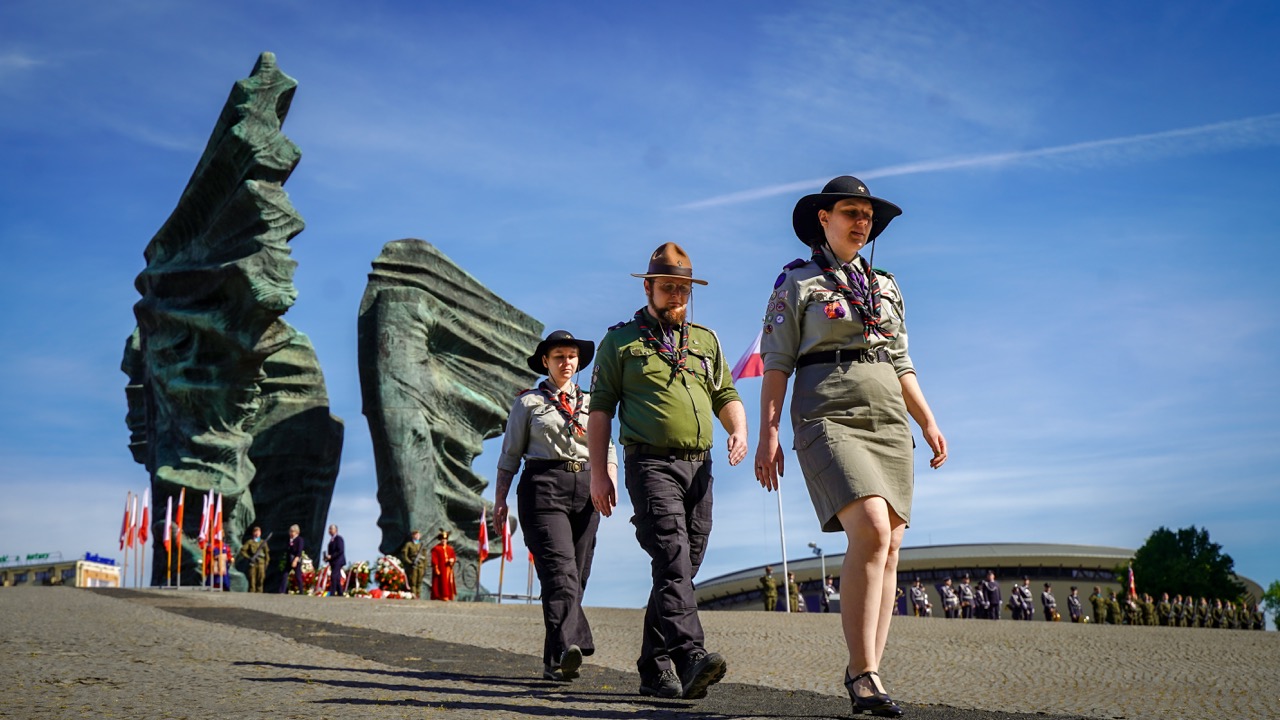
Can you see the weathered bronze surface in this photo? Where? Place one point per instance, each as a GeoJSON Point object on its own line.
{"type": "Point", "coordinates": [441, 359]}
{"type": "Point", "coordinates": [224, 395]}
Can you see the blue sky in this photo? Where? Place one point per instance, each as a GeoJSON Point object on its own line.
{"type": "Point", "coordinates": [1086, 252]}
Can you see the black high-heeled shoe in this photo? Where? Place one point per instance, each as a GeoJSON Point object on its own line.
{"type": "Point", "coordinates": [877, 703]}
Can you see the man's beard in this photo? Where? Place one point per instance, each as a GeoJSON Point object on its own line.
{"type": "Point", "coordinates": [666, 315]}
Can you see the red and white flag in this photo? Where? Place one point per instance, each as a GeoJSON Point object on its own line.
{"type": "Point", "coordinates": [216, 533]}
{"type": "Point", "coordinates": [177, 518]}
{"type": "Point", "coordinates": [508, 553]}
{"type": "Point", "coordinates": [126, 524]}
{"type": "Point", "coordinates": [168, 524]}
{"type": "Point", "coordinates": [484, 536]}
{"type": "Point", "coordinates": [203, 538]}
{"type": "Point", "coordinates": [1132, 589]}
{"type": "Point", "coordinates": [133, 530]}
{"type": "Point", "coordinates": [144, 520]}
{"type": "Point", "coordinates": [750, 364]}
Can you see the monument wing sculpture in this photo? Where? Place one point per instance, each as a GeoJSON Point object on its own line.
{"type": "Point", "coordinates": [441, 359]}
{"type": "Point", "coordinates": [216, 378]}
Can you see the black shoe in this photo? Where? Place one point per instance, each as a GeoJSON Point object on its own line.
{"type": "Point", "coordinates": [704, 670]}
{"type": "Point", "coordinates": [570, 661]}
{"type": "Point", "coordinates": [664, 685]}
{"type": "Point", "coordinates": [877, 703]}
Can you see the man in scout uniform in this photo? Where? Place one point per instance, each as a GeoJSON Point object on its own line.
{"type": "Point", "coordinates": [769, 589]}
{"type": "Point", "coordinates": [256, 552]}
{"type": "Point", "coordinates": [667, 379]}
{"type": "Point", "coordinates": [414, 559]}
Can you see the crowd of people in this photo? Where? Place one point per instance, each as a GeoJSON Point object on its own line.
{"type": "Point", "coordinates": [984, 600]}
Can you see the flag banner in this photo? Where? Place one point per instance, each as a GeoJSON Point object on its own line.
{"type": "Point", "coordinates": [508, 552]}
{"type": "Point", "coordinates": [750, 364]}
{"type": "Point", "coordinates": [1132, 589]}
{"type": "Point", "coordinates": [216, 533]}
{"type": "Point", "coordinates": [182, 501]}
{"type": "Point", "coordinates": [168, 524]}
{"type": "Point", "coordinates": [484, 536]}
{"type": "Point", "coordinates": [203, 537]}
{"type": "Point", "coordinates": [144, 520]}
{"type": "Point", "coordinates": [125, 524]}
{"type": "Point", "coordinates": [132, 532]}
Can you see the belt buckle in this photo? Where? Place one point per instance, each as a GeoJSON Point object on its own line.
{"type": "Point", "coordinates": [574, 466]}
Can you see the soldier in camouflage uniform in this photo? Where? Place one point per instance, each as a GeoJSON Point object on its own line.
{"type": "Point", "coordinates": [1113, 609]}
{"type": "Point", "coordinates": [1178, 618]}
{"type": "Point", "coordinates": [769, 589]}
{"type": "Point", "coordinates": [255, 550]}
{"type": "Point", "coordinates": [1099, 605]}
{"type": "Point", "coordinates": [1148, 607]}
{"type": "Point", "coordinates": [414, 558]}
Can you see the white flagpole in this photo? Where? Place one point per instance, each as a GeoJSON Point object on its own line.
{"type": "Point", "coordinates": [782, 537]}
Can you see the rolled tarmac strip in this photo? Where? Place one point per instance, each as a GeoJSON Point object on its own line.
{"type": "Point", "coordinates": [193, 654]}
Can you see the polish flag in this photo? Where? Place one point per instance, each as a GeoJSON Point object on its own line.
{"type": "Point", "coordinates": [203, 538]}
{"type": "Point", "coordinates": [132, 532]}
{"type": "Point", "coordinates": [144, 521]}
{"type": "Point", "coordinates": [750, 364]}
{"type": "Point", "coordinates": [126, 524]}
{"type": "Point", "coordinates": [484, 536]}
{"type": "Point", "coordinates": [1132, 590]}
{"type": "Point", "coordinates": [168, 524]}
{"type": "Point", "coordinates": [508, 553]}
{"type": "Point", "coordinates": [182, 500]}
{"type": "Point", "coordinates": [217, 526]}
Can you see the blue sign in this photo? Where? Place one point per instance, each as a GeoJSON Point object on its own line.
{"type": "Point", "coordinates": [99, 559]}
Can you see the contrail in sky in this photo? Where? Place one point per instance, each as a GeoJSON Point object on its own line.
{"type": "Point", "coordinates": [1254, 131]}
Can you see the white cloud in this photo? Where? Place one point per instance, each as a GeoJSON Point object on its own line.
{"type": "Point", "coordinates": [1263, 130]}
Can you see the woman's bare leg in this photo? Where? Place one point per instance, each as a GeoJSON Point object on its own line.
{"type": "Point", "coordinates": [868, 580]}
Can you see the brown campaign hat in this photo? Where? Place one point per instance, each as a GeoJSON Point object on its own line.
{"type": "Point", "coordinates": [670, 260]}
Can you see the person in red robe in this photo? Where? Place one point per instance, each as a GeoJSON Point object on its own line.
{"type": "Point", "coordinates": [443, 558]}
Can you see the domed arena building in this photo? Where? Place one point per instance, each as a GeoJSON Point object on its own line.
{"type": "Point", "coordinates": [1060, 565]}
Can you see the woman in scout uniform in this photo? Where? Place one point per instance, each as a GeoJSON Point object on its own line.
{"type": "Point", "coordinates": [547, 430]}
{"type": "Point", "coordinates": [838, 326]}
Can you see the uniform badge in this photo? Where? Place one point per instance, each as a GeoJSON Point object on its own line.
{"type": "Point", "coordinates": [595, 374]}
{"type": "Point", "coordinates": [778, 283]}
{"type": "Point", "coordinates": [834, 310]}
{"type": "Point", "coordinates": [768, 329]}
{"type": "Point", "coordinates": [779, 319]}
{"type": "Point", "coordinates": [781, 294]}
{"type": "Point", "coordinates": [780, 306]}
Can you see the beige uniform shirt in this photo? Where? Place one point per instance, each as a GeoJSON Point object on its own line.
{"type": "Point", "coordinates": [796, 321]}
{"type": "Point", "coordinates": [537, 431]}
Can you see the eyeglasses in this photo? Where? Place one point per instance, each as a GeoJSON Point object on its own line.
{"type": "Point", "coordinates": [672, 288]}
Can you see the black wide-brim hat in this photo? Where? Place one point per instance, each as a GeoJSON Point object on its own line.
{"type": "Point", "coordinates": [586, 350]}
{"type": "Point", "coordinates": [804, 219]}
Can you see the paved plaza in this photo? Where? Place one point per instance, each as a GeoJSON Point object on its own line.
{"type": "Point", "coordinates": [191, 654]}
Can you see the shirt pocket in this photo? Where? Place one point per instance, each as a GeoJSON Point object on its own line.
{"type": "Point", "coordinates": [641, 362]}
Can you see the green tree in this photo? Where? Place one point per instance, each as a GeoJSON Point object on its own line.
{"type": "Point", "coordinates": [1271, 601]}
{"type": "Point", "coordinates": [1185, 562]}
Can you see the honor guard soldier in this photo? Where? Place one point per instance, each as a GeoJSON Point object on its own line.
{"type": "Point", "coordinates": [1028, 604]}
{"type": "Point", "coordinates": [919, 601]}
{"type": "Point", "coordinates": [257, 553]}
{"type": "Point", "coordinates": [1164, 610]}
{"type": "Point", "coordinates": [793, 593]}
{"type": "Point", "coordinates": [1114, 616]}
{"type": "Point", "coordinates": [1050, 604]}
{"type": "Point", "coordinates": [950, 601]}
{"type": "Point", "coordinates": [1177, 618]}
{"type": "Point", "coordinates": [769, 589]}
{"type": "Point", "coordinates": [1073, 605]}
{"type": "Point", "coordinates": [1204, 618]}
{"type": "Point", "coordinates": [667, 380]}
{"type": "Point", "coordinates": [965, 591]}
{"type": "Point", "coordinates": [992, 591]}
{"type": "Point", "coordinates": [414, 557]}
{"type": "Point", "coordinates": [1099, 604]}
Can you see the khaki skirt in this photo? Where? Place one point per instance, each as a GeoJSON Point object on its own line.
{"type": "Point", "coordinates": [852, 437]}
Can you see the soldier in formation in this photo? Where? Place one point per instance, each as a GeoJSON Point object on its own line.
{"type": "Point", "coordinates": [256, 552]}
{"type": "Point", "coordinates": [1073, 605]}
{"type": "Point", "coordinates": [414, 558]}
{"type": "Point", "coordinates": [1050, 604]}
{"type": "Point", "coordinates": [950, 600]}
{"type": "Point", "coordinates": [967, 597]}
{"type": "Point", "coordinates": [769, 589]}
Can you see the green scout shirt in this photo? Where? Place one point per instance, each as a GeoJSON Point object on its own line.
{"type": "Point", "coordinates": [659, 406]}
{"type": "Point", "coordinates": [770, 585]}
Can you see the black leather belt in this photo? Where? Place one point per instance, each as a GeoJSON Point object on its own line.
{"type": "Point", "coordinates": [690, 455]}
{"type": "Point", "coordinates": [836, 357]}
{"type": "Point", "coordinates": [543, 465]}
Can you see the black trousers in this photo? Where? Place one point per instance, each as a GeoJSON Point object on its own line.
{"type": "Point", "coordinates": [560, 528]}
{"type": "Point", "coordinates": [296, 572]}
{"type": "Point", "coordinates": [672, 503]}
{"type": "Point", "coordinates": [335, 579]}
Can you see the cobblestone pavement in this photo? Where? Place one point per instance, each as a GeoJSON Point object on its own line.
{"type": "Point", "coordinates": [191, 654]}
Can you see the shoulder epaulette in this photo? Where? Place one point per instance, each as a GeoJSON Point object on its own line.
{"type": "Point", "coordinates": [526, 390]}
{"type": "Point", "coordinates": [882, 271]}
{"type": "Point", "coordinates": [615, 327]}
{"type": "Point", "coordinates": [782, 276]}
